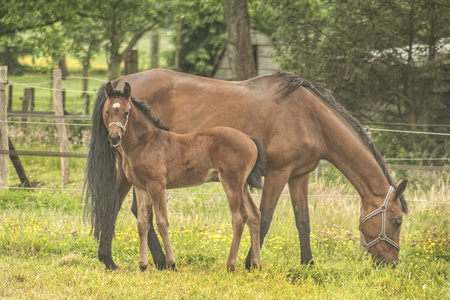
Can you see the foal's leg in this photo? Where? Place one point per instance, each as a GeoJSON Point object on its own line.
{"type": "Point", "coordinates": [235, 197]}
{"type": "Point", "coordinates": [159, 258]}
{"type": "Point", "coordinates": [144, 207]}
{"type": "Point", "coordinates": [298, 189]}
{"type": "Point", "coordinates": [253, 223]}
{"type": "Point", "coordinates": [274, 183]}
{"type": "Point", "coordinates": [158, 195]}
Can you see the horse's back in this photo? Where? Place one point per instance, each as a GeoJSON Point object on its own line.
{"type": "Point", "coordinates": [257, 107]}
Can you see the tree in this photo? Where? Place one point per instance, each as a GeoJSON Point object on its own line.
{"type": "Point", "coordinates": [239, 48]}
{"type": "Point", "coordinates": [199, 31]}
{"type": "Point", "coordinates": [31, 17]}
{"type": "Point", "coordinates": [124, 23]}
{"type": "Point", "coordinates": [379, 57]}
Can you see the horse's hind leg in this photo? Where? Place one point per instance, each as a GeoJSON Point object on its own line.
{"type": "Point", "coordinates": [144, 207]}
{"type": "Point", "coordinates": [238, 217]}
{"type": "Point", "coordinates": [159, 258]}
{"type": "Point", "coordinates": [253, 223]}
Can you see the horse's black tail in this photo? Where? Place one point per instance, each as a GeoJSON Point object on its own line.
{"type": "Point", "coordinates": [254, 180]}
{"type": "Point", "coordinates": [102, 200]}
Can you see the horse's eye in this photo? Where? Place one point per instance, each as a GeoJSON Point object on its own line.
{"type": "Point", "coordinates": [398, 222]}
{"type": "Point", "coordinates": [126, 114]}
{"type": "Point", "coordinates": [107, 112]}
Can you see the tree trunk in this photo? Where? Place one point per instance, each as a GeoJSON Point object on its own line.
{"type": "Point", "coordinates": [240, 51]}
{"type": "Point", "coordinates": [178, 47]}
{"type": "Point", "coordinates": [114, 66]}
{"type": "Point", "coordinates": [154, 49]}
{"type": "Point", "coordinates": [85, 75]}
{"type": "Point", "coordinates": [63, 66]}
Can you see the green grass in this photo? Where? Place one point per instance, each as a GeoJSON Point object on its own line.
{"type": "Point", "coordinates": [46, 251]}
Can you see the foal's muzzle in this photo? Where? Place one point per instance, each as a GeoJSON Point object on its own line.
{"type": "Point", "coordinates": [115, 140]}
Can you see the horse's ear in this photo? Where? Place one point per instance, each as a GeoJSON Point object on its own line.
{"type": "Point", "coordinates": [108, 89]}
{"type": "Point", "coordinates": [127, 90]}
{"type": "Point", "coordinates": [401, 187]}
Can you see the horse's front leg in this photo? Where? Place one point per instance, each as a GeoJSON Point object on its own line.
{"type": "Point", "coordinates": [158, 195]}
{"type": "Point", "coordinates": [298, 189]}
{"type": "Point", "coordinates": [159, 258]}
{"type": "Point", "coordinates": [108, 222]}
{"type": "Point", "coordinates": [144, 207]}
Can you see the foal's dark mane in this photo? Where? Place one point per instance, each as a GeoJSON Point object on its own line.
{"type": "Point", "coordinates": [289, 82]}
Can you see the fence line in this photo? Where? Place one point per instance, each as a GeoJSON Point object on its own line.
{"type": "Point", "coordinates": [43, 153]}
{"type": "Point", "coordinates": [168, 193]}
{"type": "Point", "coordinates": [409, 131]}
{"type": "Point", "coordinates": [47, 123]}
{"type": "Point", "coordinates": [92, 78]}
{"type": "Point", "coordinates": [407, 124]}
{"type": "Point", "coordinates": [46, 115]}
{"type": "Point", "coordinates": [51, 89]}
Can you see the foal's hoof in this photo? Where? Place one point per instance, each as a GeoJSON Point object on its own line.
{"type": "Point", "coordinates": [231, 268]}
{"type": "Point", "coordinates": [142, 268]}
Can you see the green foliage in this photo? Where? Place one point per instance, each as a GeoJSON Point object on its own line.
{"type": "Point", "coordinates": [380, 58]}
{"type": "Point", "coordinates": [202, 35]}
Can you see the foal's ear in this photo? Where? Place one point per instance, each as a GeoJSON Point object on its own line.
{"type": "Point", "coordinates": [401, 187]}
{"type": "Point", "coordinates": [108, 89]}
{"type": "Point", "coordinates": [127, 90]}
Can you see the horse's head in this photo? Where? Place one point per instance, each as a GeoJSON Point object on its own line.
{"type": "Point", "coordinates": [380, 227]}
{"type": "Point", "coordinates": [116, 111]}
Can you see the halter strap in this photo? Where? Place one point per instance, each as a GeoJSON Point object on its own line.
{"type": "Point", "coordinates": [382, 237]}
{"type": "Point", "coordinates": [119, 124]}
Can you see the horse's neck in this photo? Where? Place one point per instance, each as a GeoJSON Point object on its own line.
{"type": "Point", "coordinates": [346, 151]}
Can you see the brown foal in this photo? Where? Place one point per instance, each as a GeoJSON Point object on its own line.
{"type": "Point", "coordinates": [154, 159]}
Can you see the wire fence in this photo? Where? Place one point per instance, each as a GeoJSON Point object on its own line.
{"type": "Point", "coordinates": [87, 117]}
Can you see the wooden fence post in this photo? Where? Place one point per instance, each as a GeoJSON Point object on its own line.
{"type": "Point", "coordinates": [59, 111]}
{"type": "Point", "coordinates": [10, 97]}
{"type": "Point", "coordinates": [25, 105]}
{"type": "Point", "coordinates": [4, 145]}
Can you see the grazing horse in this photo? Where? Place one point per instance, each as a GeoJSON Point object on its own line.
{"type": "Point", "coordinates": [298, 123]}
{"type": "Point", "coordinates": [154, 159]}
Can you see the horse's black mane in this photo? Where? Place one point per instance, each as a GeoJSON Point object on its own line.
{"type": "Point", "coordinates": [144, 108]}
{"type": "Point", "coordinates": [289, 82]}
{"type": "Point", "coordinates": [147, 111]}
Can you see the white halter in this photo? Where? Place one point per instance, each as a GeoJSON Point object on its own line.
{"type": "Point", "coordinates": [119, 124]}
{"type": "Point", "coordinates": [382, 237]}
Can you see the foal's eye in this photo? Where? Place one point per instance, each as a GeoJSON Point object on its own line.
{"type": "Point", "coordinates": [126, 114]}
{"type": "Point", "coordinates": [107, 112]}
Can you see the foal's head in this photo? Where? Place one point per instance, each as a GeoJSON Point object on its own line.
{"type": "Point", "coordinates": [116, 112]}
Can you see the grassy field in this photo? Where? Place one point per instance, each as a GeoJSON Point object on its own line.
{"type": "Point", "coordinates": [46, 250]}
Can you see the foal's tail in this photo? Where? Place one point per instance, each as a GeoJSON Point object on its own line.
{"type": "Point", "coordinates": [254, 180]}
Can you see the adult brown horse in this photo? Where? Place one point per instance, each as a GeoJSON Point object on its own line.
{"type": "Point", "coordinates": [154, 159]}
{"type": "Point", "coordinates": [298, 123]}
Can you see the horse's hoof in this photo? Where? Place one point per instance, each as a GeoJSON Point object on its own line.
{"type": "Point", "coordinates": [108, 261]}
{"type": "Point", "coordinates": [160, 266]}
